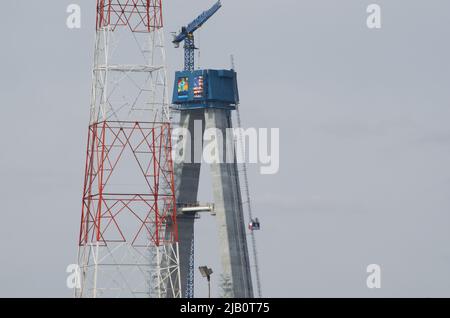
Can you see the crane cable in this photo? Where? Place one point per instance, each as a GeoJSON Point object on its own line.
{"type": "Point", "coordinates": [247, 195]}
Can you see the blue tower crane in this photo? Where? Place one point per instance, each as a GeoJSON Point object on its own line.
{"type": "Point", "coordinates": [187, 35]}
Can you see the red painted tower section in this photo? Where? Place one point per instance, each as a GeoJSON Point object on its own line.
{"type": "Point", "coordinates": [154, 209]}
{"type": "Point", "coordinates": [138, 15]}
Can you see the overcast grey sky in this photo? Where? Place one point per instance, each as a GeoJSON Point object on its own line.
{"type": "Point", "coordinates": [365, 140]}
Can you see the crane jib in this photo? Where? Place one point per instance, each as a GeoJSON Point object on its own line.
{"type": "Point", "coordinates": [198, 22]}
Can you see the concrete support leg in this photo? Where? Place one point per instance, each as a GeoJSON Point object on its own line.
{"type": "Point", "coordinates": [187, 175]}
{"type": "Point", "coordinates": [229, 213]}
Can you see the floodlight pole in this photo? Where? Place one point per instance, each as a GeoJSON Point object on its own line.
{"type": "Point", "coordinates": [209, 286]}
{"type": "Point", "coordinates": [206, 272]}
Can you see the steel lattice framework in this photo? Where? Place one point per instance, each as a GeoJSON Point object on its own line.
{"type": "Point", "coordinates": [138, 15]}
{"type": "Point", "coordinates": [128, 243]}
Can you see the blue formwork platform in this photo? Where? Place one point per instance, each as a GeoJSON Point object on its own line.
{"type": "Point", "coordinates": [205, 89]}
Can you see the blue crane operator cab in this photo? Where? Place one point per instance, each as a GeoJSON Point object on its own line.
{"type": "Point", "coordinates": [205, 89]}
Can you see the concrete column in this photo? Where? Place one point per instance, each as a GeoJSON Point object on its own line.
{"type": "Point", "coordinates": [229, 213]}
{"type": "Point", "coordinates": [187, 175]}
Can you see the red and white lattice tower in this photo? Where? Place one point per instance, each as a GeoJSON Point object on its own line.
{"type": "Point", "coordinates": [128, 243]}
